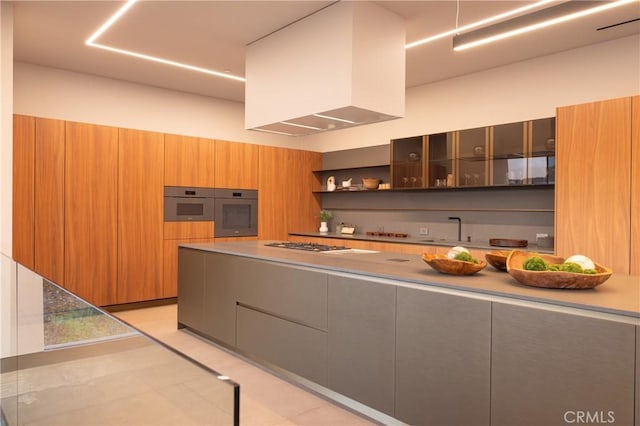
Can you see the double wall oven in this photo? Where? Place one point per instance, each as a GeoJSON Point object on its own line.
{"type": "Point", "coordinates": [234, 211]}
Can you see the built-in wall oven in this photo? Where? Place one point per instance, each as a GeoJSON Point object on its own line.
{"type": "Point", "coordinates": [188, 204]}
{"type": "Point", "coordinates": [236, 213]}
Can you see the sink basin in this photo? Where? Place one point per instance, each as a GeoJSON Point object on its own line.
{"type": "Point", "coordinates": [350, 251]}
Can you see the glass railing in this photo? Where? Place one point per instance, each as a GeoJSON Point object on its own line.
{"type": "Point", "coordinates": [64, 361]}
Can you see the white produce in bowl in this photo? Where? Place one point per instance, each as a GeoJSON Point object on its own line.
{"type": "Point", "coordinates": [454, 251]}
{"type": "Point", "coordinates": [583, 261]}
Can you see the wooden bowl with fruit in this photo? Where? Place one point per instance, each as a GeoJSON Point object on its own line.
{"type": "Point", "coordinates": [548, 271]}
{"type": "Point", "coordinates": [457, 262]}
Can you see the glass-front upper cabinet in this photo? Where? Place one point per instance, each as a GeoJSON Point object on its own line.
{"type": "Point", "coordinates": [441, 158]}
{"type": "Point", "coordinates": [509, 164]}
{"type": "Point", "coordinates": [473, 157]}
{"type": "Point", "coordinates": [407, 162]}
{"type": "Point", "coordinates": [542, 151]}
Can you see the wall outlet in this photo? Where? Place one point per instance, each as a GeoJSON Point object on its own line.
{"type": "Point", "coordinates": [424, 231]}
{"type": "Point", "coordinates": [541, 236]}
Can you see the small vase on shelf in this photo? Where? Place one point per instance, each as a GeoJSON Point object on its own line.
{"type": "Point", "coordinates": [325, 215]}
{"type": "Point", "coordinates": [324, 228]}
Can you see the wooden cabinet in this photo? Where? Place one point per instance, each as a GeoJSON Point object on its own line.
{"type": "Point", "coordinates": [236, 165]}
{"type": "Point", "coordinates": [177, 233]}
{"type": "Point", "coordinates": [140, 215]}
{"type": "Point", "coordinates": [593, 182]}
{"type": "Point", "coordinates": [273, 208]}
{"type": "Point", "coordinates": [90, 218]}
{"type": "Point", "coordinates": [305, 205]}
{"type": "Point", "coordinates": [545, 363]}
{"type": "Point", "coordinates": [24, 133]}
{"type": "Point", "coordinates": [361, 345]}
{"type": "Point", "coordinates": [189, 161]}
{"type": "Point", "coordinates": [635, 189]}
{"type": "Point", "coordinates": [443, 352]}
{"type": "Point", "coordinates": [285, 203]}
{"type": "Point", "coordinates": [49, 199]}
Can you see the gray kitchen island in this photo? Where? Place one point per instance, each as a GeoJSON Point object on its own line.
{"type": "Point", "coordinates": [384, 334]}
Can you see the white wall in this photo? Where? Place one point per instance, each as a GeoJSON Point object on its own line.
{"type": "Point", "coordinates": [517, 92]}
{"type": "Point", "coordinates": [54, 93]}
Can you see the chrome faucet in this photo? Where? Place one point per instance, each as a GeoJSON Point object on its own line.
{"type": "Point", "coordinates": [459, 226]}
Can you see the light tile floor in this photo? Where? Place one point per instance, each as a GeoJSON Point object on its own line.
{"type": "Point", "coordinates": [264, 398]}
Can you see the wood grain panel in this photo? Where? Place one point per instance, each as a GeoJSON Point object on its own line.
{"type": "Point", "coordinates": [273, 209]}
{"type": "Point", "coordinates": [593, 176]}
{"type": "Point", "coordinates": [140, 215]}
{"type": "Point", "coordinates": [182, 230]}
{"type": "Point", "coordinates": [635, 190]}
{"type": "Point", "coordinates": [233, 239]}
{"type": "Point", "coordinates": [188, 161]}
{"type": "Point", "coordinates": [24, 132]}
{"type": "Point", "coordinates": [304, 204]}
{"type": "Point", "coordinates": [91, 182]}
{"type": "Point", "coordinates": [236, 165]}
{"type": "Point", "coordinates": [49, 199]}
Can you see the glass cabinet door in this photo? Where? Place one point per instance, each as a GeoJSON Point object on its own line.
{"type": "Point", "coordinates": [407, 162]}
{"type": "Point", "coordinates": [542, 161]}
{"type": "Point", "coordinates": [441, 156]}
{"type": "Point", "coordinates": [509, 165]}
{"type": "Point", "coordinates": [472, 157]}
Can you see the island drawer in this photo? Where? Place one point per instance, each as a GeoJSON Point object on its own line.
{"type": "Point", "coordinates": [293, 293]}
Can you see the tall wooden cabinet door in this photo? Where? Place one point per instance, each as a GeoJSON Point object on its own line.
{"type": "Point", "coordinates": [593, 182]}
{"type": "Point", "coordinates": [140, 215]}
{"type": "Point", "coordinates": [236, 165]}
{"type": "Point", "coordinates": [188, 161]}
{"type": "Point", "coordinates": [273, 206]}
{"type": "Point", "coordinates": [546, 365]}
{"type": "Point", "coordinates": [24, 132]}
{"type": "Point", "coordinates": [91, 181]}
{"type": "Point", "coordinates": [303, 202]}
{"type": "Point", "coordinates": [635, 187]}
{"type": "Point", "coordinates": [49, 199]}
{"type": "Point", "coordinates": [443, 359]}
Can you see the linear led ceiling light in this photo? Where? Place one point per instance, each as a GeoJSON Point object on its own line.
{"type": "Point", "coordinates": [91, 41]}
{"type": "Point", "coordinates": [328, 117]}
{"type": "Point", "coordinates": [533, 21]}
{"type": "Point", "coordinates": [477, 23]}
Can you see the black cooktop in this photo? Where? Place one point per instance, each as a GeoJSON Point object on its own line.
{"type": "Point", "coordinates": [306, 246]}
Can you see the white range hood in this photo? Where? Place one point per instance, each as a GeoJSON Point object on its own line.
{"type": "Point", "coordinates": [342, 66]}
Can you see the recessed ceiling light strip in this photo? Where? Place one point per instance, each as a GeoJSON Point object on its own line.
{"type": "Point", "coordinates": [288, 123]}
{"type": "Point", "coordinates": [478, 23]}
{"type": "Point", "coordinates": [328, 117]}
{"type": "Point", "coordinates": [274, 131]}
{"type": "Point", "coordinates": [523, 24]}
{"type": "Point", "coordinates": [110, 21]}
{"type": "Point", "coordinates": [169, 62]}
{"type": "Point", "coordinates": [91, 41]}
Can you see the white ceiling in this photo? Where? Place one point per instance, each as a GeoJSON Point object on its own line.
{"type": "Point", "coordinates": [213, 34]}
